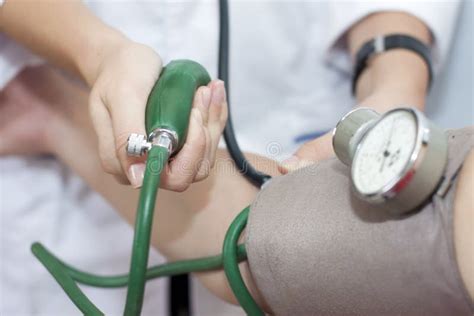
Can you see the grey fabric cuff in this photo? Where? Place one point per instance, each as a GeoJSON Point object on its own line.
{"type": "Point", "coordinates": [315, 249]}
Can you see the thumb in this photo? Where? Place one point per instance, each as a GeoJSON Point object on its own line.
{"type": "Point", "coordinates": [128, 116]}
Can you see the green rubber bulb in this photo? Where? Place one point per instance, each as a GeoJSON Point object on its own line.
{"type": "Point", "coordinates": [170, 101]}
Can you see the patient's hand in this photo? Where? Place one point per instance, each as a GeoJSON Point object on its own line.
{"type": "Point", "coordinates": [24, 119]}
{"type": "Point", "coordinates": [311, 152]}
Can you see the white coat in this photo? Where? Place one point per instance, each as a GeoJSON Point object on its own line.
{"type": "Point", "coordinates": [289, 81]}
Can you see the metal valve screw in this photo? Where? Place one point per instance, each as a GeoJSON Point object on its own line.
{"type": "Point", "coordinates": [137, 145]}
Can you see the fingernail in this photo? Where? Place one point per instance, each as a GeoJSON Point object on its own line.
{"type": "Point", "coordinates": [294, 163]}
{"type": "Point", "coordinates": [136, 172]}
{"type": "Point", "coordinates": [218, 93]}
{"type": "Point", "coordinates": [206, 96]}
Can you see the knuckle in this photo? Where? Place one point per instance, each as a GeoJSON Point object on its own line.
{"type": "Point", "coordinates": [108, 163]}
{"type": "Point", "coordinates": [204, 168]}
{"type": "Point", "coordinates": [180, 187]}
{"type": "Point", "coordinates": [201, 175]}
{"type": "Point", "coordinates": [108, 166]}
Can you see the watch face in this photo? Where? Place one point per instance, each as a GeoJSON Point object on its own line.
{"type": "Point", "coordinates": [385, 152]}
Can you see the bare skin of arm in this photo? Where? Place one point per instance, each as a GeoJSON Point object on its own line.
{"type": "Point", "coordinates": [397, 76]}
{"type": "Point", "coordinates": [120, 74]}
{"type": "Point", "coordinates": [186, 225]}
{"type": "Point", "coordinates": [64, 32]}
{"type": "Point", "coordinates": [190, 224]}
{"type": "Point", "coordinates": [394, 78]}
{"type": "Point", "coordinates": [400, 77]}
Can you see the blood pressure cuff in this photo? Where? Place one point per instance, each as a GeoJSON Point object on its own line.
{"type": "Point", "coordinates": [315, 249]}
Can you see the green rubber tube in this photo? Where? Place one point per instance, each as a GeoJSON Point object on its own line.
{"type": "Point", "coordinates": [115, 281]}
{"type": "Point", "coordinates": [67, 275]}
{"type": "Point", "coordinates": [170, 100]}
{"type": "Point", "coordinates": [231, 266]}
{"type": "Point", "coordinates": [157, 158]}
{"type": "Point", "coordinates": [169, 107]}
{"type": "Point", "coordinates": [55, 267]}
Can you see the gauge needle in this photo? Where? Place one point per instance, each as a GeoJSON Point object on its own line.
{"type": "Point", "coordinates": [386, 153]}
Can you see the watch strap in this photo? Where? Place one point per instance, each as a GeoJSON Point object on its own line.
{"type": "Point", "coordinates": [384, 43]}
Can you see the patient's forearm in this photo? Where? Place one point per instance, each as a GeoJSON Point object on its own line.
{"type": "Point", "coordinates": [193, 223]}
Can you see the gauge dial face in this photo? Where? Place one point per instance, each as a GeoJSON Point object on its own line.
{"type": "Point", "coordinates": [385, 152]}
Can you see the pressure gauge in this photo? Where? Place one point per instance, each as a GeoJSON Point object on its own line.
{"type": "Point", "coordinates": [397, 159]}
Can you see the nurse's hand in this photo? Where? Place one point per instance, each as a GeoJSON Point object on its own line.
{"type": "Point", "coordinates": [117, 105]}
{"type": "Point", "coordinates": [121, 74]}
{"type": "Point", "coordinates": [197, 157]}
{"type": "Point", "coordinates": [39, 95]}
